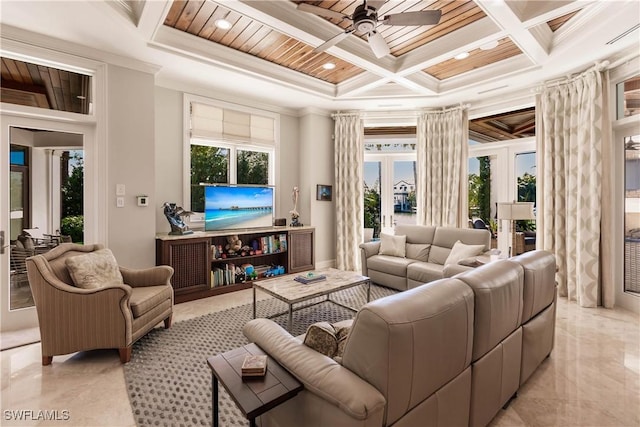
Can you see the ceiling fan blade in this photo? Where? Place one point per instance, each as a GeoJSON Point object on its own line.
{"type": "Point", "coordinates": [425, 17]}
{"type": "Point", "coordinates": [378, 44]}
{"type": "Point", "coordinates": [332, 41]}
{"type": "Point", "coordinates": [306, 7]}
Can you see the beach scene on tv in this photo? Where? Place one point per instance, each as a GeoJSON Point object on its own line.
{"type": "Point", "coordinates": [237, 207]}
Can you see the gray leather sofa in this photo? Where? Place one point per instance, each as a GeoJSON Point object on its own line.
{"type": "Point", "coordinates": [427, 249]}
{"type": "Point", "coordinates": [449, 353]}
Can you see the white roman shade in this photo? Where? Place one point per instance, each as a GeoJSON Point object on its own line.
{"type": "Point", "coordinates": [208, 121]}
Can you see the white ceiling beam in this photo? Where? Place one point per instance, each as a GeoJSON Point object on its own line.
{"type": "Point", "coordinates": [152, 17]}
{"type": "Point", "coordinates": [506, 18]}
{"type": "Point", "coordinates": [190, 46]}
{"type": "Point", "coordinates": [446, 47]}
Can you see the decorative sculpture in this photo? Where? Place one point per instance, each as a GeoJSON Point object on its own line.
{"type": "Point", "coordinates": [174, 214]}
{"type": "Point", "coordinates": [294, 212]}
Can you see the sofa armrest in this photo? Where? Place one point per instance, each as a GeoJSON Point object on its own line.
{"type": "Point", "coordinates": [451, 270]}
{"type": "Point", "coordinates": [370, 248]}
{"type": "Point", "coordinates": [367, 250]}
{"type": "Point", "coordinates": [320, 374]}
{"type": "Point", "coordinates": [154, 276]}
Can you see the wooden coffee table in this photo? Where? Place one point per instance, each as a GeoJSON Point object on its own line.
{"type": "Point", "coordinates": [253, 396]}
{"type": "Point", "coordinates": [291, 292]}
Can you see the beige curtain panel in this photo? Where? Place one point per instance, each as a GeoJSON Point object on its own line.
{"type": "Point", "coordinates": [349, 193]}
{"type": "Point", "coordinates": [442, 150]}
{"type": "Point", "coordinates": [574, 156]}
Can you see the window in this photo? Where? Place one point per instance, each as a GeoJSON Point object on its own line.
{"type": "Point", "coordinates": [19, 190]}
{"type": "Point", "coordinates": [228, 145]}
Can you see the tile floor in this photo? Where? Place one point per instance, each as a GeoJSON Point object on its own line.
{"type": "Point", "coordinates": [591, 379]}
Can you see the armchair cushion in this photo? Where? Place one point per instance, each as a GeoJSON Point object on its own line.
{"type": "Point", "coordinates": [143, 299]}
{"type": "Point", "coordinates": [93, 270]}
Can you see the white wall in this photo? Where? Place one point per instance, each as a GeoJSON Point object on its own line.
{"type": "Point", "coordinates": [131, 161]}
{"type": "Point", "coordinates": [288, 171]}
{"type": "Point", "coordinates": [317, 167]}
{"type": "Point", "coordinates": [168, 153]}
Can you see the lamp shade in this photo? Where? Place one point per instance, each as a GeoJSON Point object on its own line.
{"type": "Point", "coordinates": [515, 210]}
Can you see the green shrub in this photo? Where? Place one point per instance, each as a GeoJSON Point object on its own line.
{"type": "Point", "coordinates": [73, 226]}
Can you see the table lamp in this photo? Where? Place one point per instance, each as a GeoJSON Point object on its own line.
{"type": "Point", "coordinates": [514, 211]}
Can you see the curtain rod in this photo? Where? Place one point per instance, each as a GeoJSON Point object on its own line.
{"type": "Point", "coordinates": [597, 66]}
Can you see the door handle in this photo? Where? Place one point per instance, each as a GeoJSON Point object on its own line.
{"type": "Point", "coordinates": [2, 246]}
{"type": "Point", "coordinates": [384, 221]}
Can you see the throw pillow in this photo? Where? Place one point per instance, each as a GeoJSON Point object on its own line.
{"type": "Point", "coordinates": [392, 245]}
{"type": "Point", "coordinates": [94, 270]}
{"type": "Point", "coordinates": [419, 252]}
{"type": "Point", "coordinates": [322, 338]}
{"type": "Point", "coordinates": [460, 251]}
{"type": "Point", "coordinates": [342, 333]}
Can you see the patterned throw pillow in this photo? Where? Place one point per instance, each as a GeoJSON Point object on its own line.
{"type": "Point", "coordinates": [322, 338]}
{"type": "Point", "coordinates": [94, 270]}
{"type": "Point", "coordinates": [327, 339]}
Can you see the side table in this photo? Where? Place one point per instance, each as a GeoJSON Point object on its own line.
{"type": "Point", "coordinates": [254, 396]}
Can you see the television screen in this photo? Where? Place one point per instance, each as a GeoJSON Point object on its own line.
{"type": "Point", "coordinates": [229, 207]}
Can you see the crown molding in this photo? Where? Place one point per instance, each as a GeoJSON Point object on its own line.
{"type": "Point", "coordinates": [26, 40]}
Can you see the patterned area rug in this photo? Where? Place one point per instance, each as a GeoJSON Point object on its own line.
{"type": "Point", "coordinates": [168, 379]}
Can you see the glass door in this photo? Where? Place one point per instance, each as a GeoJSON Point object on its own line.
{"type": "Point", "coordinates": [632, 214]}
{"type": "Point", "coordinates": [389, 192]}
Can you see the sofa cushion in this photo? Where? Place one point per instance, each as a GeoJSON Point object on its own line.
{"type": "Point", "coordinates": [416, 233]}
{"type": "Point", "coordinates": [94, 270]}
{"type": "Point", "coordinates": [461, 251]}
{"type": "Point", "coordinates": [392, 245]}
{"type": "Point", "coordinates": [424, 272]}
{"type": "Point", "coordinates": [417, 251]}
{"type": "Point", "coordinates": [389, 264]}
{"type": "Point", "coordinates": [146, 298]}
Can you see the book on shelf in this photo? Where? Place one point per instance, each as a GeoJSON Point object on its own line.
{"type": "Point", "coordinates": [310, 277]}
{"type": "Point", "coordinates": [254, 365]}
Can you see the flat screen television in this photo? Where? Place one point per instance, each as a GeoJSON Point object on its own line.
{"type": "Point", "coordinates": [228, 207]}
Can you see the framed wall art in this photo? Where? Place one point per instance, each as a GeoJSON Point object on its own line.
{"type": "Point", "coordinates": [324, 192]}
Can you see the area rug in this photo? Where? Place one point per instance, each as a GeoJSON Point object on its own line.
{"type": "Point", "coordinates": [168, 379]}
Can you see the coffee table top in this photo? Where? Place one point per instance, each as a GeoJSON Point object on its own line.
{"type": "Point", "coordinates": [291, 291]}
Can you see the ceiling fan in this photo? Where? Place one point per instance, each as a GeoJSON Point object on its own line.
{"type": "Point", "coordinates": [365, 20]}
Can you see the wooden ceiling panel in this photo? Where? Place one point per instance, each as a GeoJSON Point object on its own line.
{"type": "Point", "coordinates": [44, 87]}
{"type": "Point", "coordinates": [503, 127]}
{"type": "Point", "coordinates": [558, 22]}
{"type": "Point", "coordinates": [252, 37]}
{"type": "Point", "coordinates": [477, 58]}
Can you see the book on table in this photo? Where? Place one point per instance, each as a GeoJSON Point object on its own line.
{"type": "Point", "coordinates": [254, 365]}
{"type": "Point", "coordinates": [310, 277]}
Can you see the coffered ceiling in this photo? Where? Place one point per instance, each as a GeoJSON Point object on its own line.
{"type": "Point", "coordinates": [268, 53]}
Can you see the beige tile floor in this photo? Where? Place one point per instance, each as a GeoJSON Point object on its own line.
{"type": "Point", "coordinates": [591, 379]}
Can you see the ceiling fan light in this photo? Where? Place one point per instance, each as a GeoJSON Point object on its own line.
{"type": "Point", "coordinates": [329, 66]}
{"type": "Point", "coordinates": [488, 46]}
{"type": "Point", "coordinates": [461, 55]}
{"type": "Point", "coordinates": [223, 24]}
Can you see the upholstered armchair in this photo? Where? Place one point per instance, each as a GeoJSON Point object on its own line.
{"type": "Point", "coordinates": [78, 309]}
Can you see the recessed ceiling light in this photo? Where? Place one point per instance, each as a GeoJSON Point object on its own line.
{"type": "Point", "coordinates": [462, 55]}
{"type": "Point", "coordinates": [490, 45]}
{"type": "Point", "coordinates": [329, 66]}
{"type": "Point", "coordinates": [223, 24]}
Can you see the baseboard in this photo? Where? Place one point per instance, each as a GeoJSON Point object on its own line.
{"type": "Point", "coordinates": [326, 264]}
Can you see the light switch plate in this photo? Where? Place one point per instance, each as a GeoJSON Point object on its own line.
{"type": "Point", "coordinates": [120, 202]}
{"type": "Point", "coordinates": [120, 190]}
